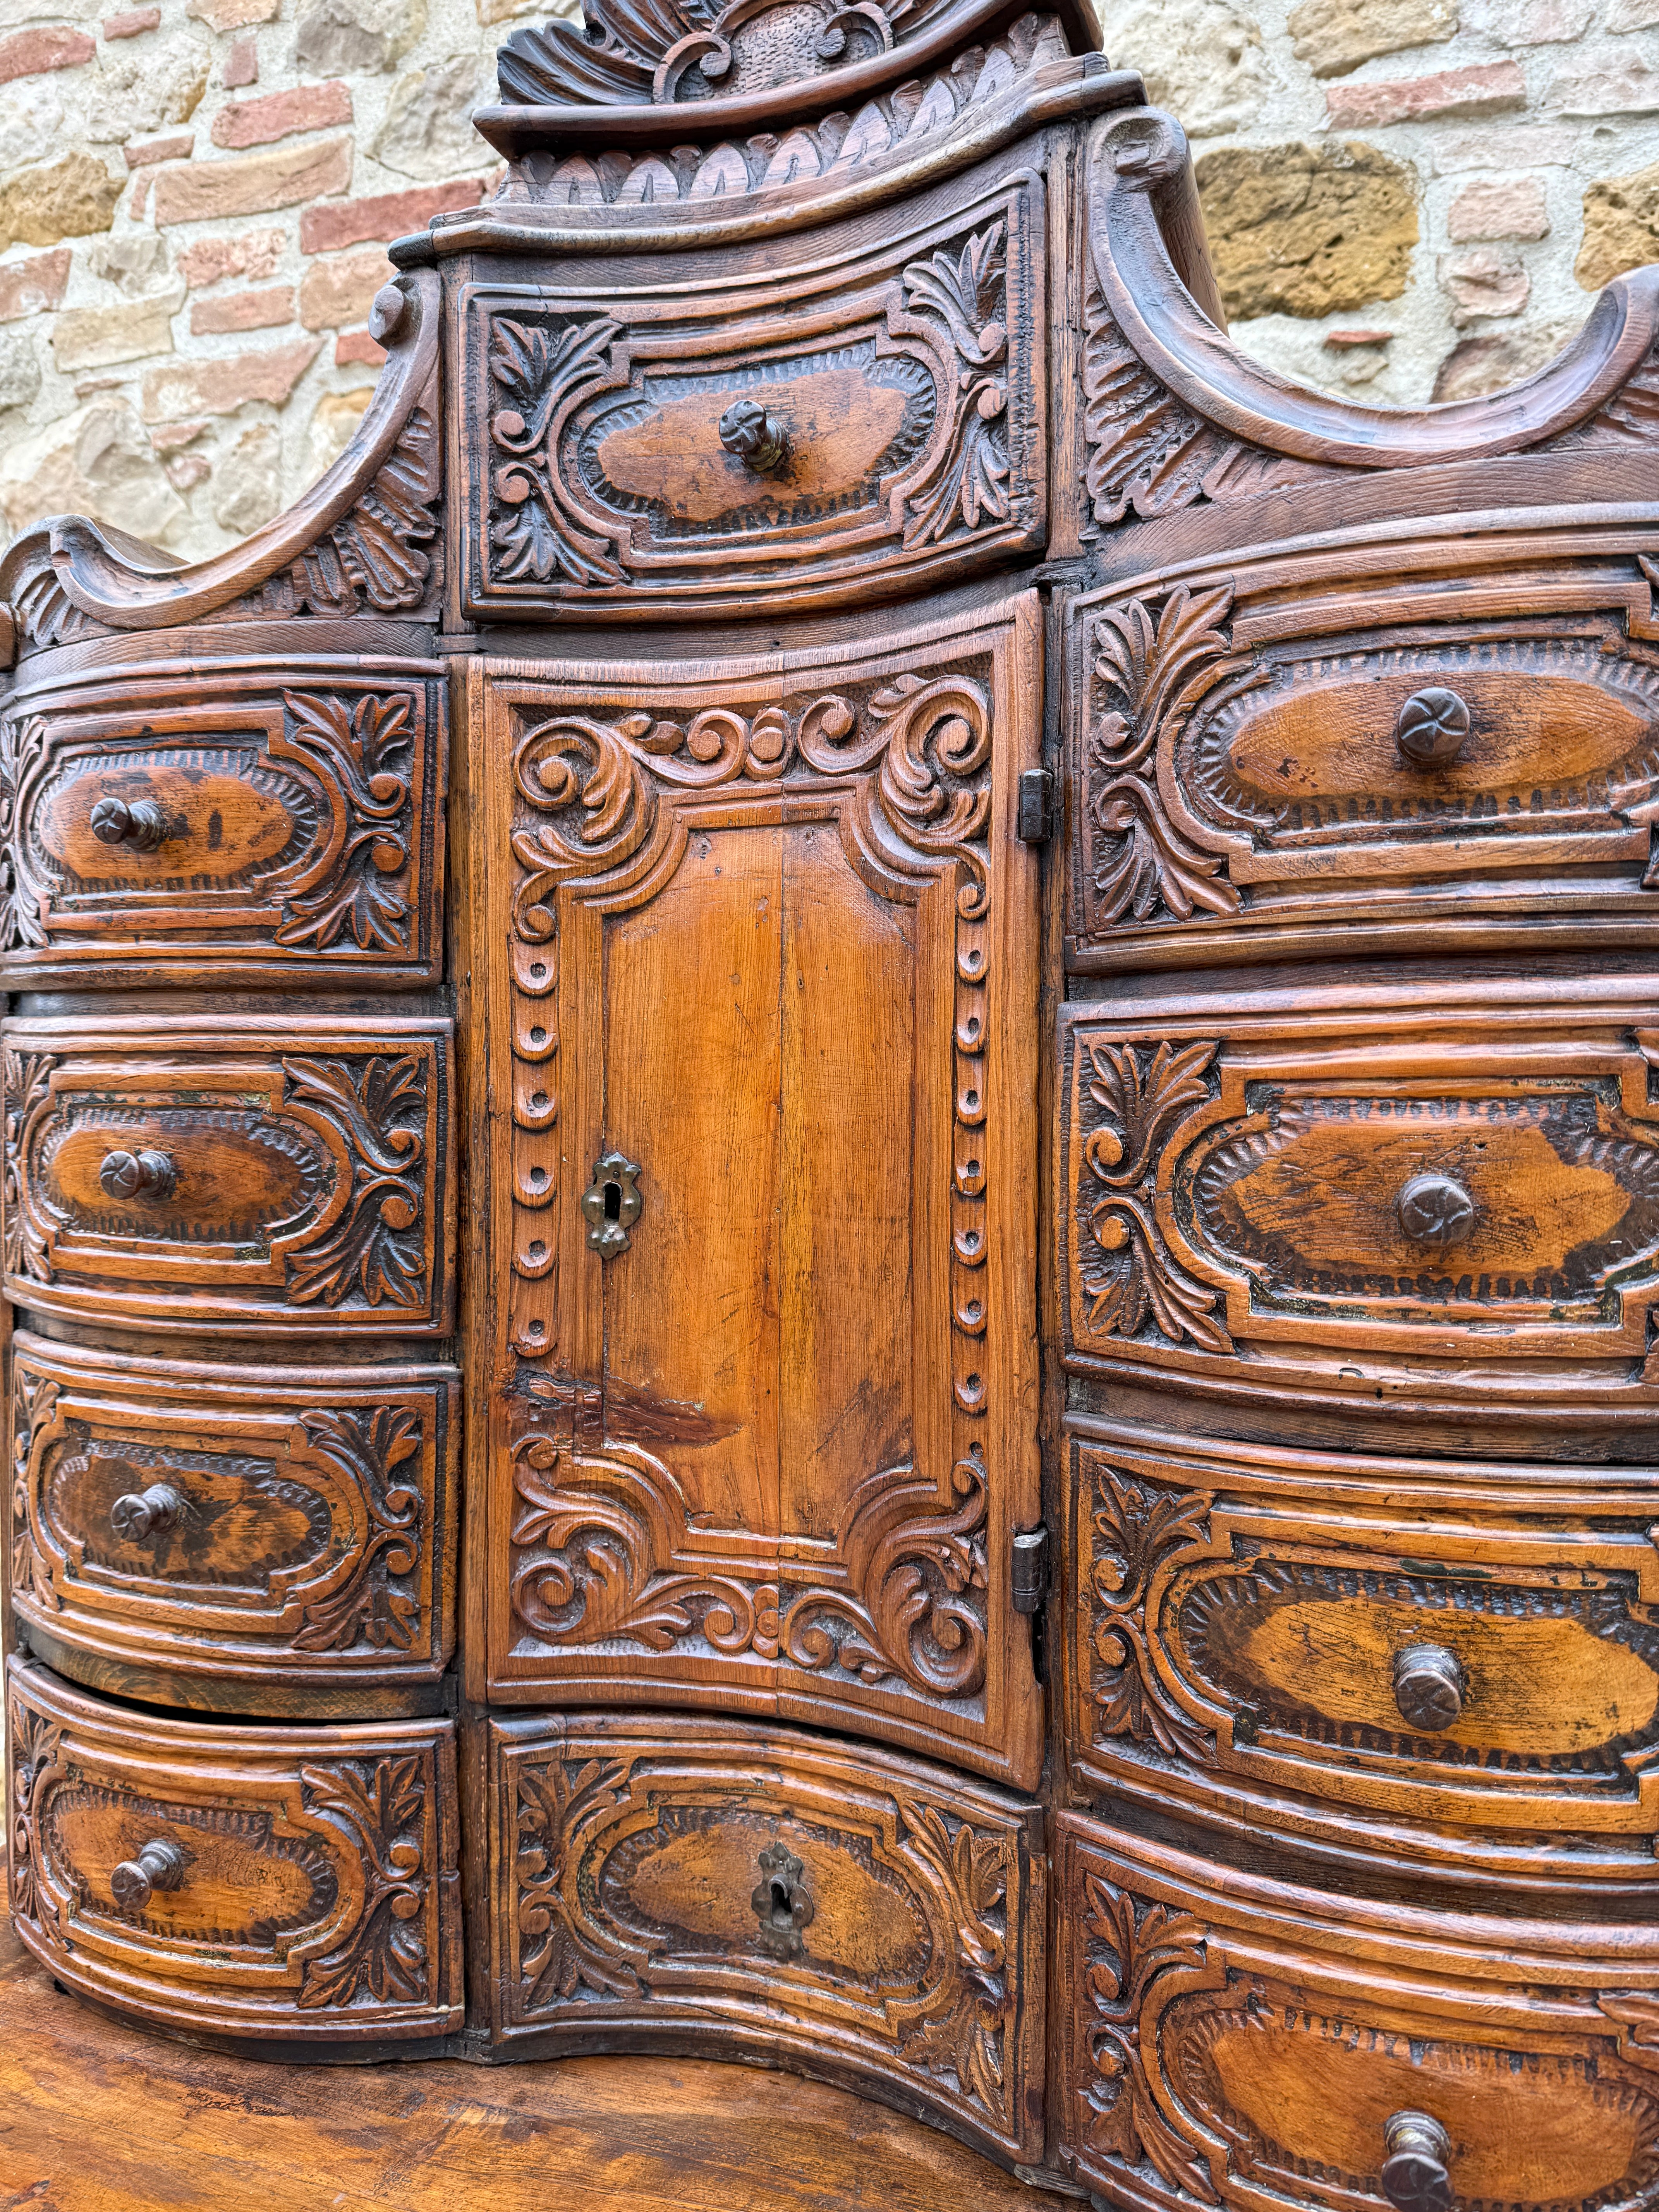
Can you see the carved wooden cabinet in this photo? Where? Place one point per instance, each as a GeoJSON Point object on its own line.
{"type": "Point", "coordinates": [831, 1169]}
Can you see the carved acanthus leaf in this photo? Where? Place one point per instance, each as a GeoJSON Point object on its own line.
{"type": "Point", "coordinates": [35, 1748]}
{"type": "Point", "coordinates": [23, 895]}
{"type": "Point", "coordinates": [28, 1092]}
{"type": "Point", "coordinates": [1125, 1265]}
{"type": "Point", "coordinates": [374, 1250]}
{"type": "Point", "coordinates": [969, 295]}
{"type": "Point", "coordinates": [381, 1808]}
{"type": "Point", "coordinates": [35, 1404]}
{"type": "Point", "coordinates": [359, 881]}
{"type": "Point", "coordinates": [963, 2033]}
{"type": "Point", "coordinates": [372, 1606]}
{"type": "Point", "coordinates": [374, 557]}
{"type": "Point", "coordinates": [1136, 1531]}
{"type": "Point", "coordinates": [537, 371]}
{"type": "Point", "coordinates": [564, 1950]}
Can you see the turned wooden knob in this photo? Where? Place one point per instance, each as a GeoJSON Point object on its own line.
{"type": "Point", "coordinates": [1431, 727]}
{"type": "Point", "coordinates": [1434, 1209]}
{"type": "Point", "coordinates": [1428, 1686]}
{"type": "Point", "coordinates": [138, 822]}
{"type": "Point", "coordinates": [757, 439]}
{"type": "Point", "coordinates": [143, 1513]}
{"type": "Point", "coordinates": [159, 1865]}
{"type": "Point", "coordinates": [1415, 2175]}
{"type": "Point", "coordinates": [137, 1175]}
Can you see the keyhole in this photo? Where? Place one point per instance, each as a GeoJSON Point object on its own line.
{"type": "Point", "coordinates": [782, 1913]}
{"type": "Point", "coordinates": [613, 1201]}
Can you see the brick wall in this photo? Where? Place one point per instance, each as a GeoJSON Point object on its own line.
{"type": "Point", "coordinates": [1411, 199]}
{"type": "Point", "coordinates": [1404, 197]}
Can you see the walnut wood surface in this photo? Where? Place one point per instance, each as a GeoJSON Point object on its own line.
{"type": "Point", "coordinates": [703, 1475]}
{"type": "Point", "coordinates": [318, 1900]}
{"type": "Point", "coordinates": [705, 1884]}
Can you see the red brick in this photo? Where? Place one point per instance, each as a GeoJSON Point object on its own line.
{"type": "Point", "coordinates": [336, 292]}
{"type": "Point", "coordinates": [1482, 89]}
{"type": "Point", "coordinates": [241, 62]}
{"type": "Point", "coordinates": [388, 216]}
{"type": "Point", "coordinates": [243, 310]}
{"type": "Point", "coordinates": [28, 288]}
{"type": "Point", "coordinates": [253, 184]}
{"type": "Point", "coordinates": [279, 114]}
{"type": "Point", "coordinates": [251, 253]}
{"type": "Point", "coordinates": [1357, 338]}
{"type": "Point", "coordinates": [129, 25]}
{"type": "Point", "coordinates": [357, 345]}
{"type": "Point", "coordinates": [220, 387]}
{"type": "Point", "coordinates": [160, 150]}
{"type": "Point", "coordinates": [31, 53]}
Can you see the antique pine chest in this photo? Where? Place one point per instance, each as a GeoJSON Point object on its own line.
{"type": "Point", "coordinates": [831, 1180]}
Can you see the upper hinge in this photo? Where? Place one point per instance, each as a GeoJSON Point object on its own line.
{"type": "Point", "coordinates": [1029, 1571]}
{"type": "Point", "coordinates": [1034, 823]}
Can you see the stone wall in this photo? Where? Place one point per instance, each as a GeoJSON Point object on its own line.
{"type": "Point", "coordinates": [1411, 199]}
{"type": "Point", "coordinates": [1405, 197]}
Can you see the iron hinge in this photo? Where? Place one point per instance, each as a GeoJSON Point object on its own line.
{"type": "Point", "coordinates": [1036, 820]}
{"type": "Point", "coordinates": [1030, 1572]}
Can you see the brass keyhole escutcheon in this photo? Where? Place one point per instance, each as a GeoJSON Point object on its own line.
{"type": "Point", "coordinates": [611, 1203]}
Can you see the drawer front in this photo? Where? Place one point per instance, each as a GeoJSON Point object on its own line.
{"type": "Point", "coordinates": [1292, 748]}
{"type": "Point", "coordinates": [857, 419]}
{"type": "Point", "coordinates": [216, 1176]}
{"type": "Point", "coordinates": [271, 1536]}
{"type": "Point", "coordinates": [1421, 1181]}
{"type": "Point", "coordinates": [294, 1883]}
{"type": "Point", "coordinates": [1232, 2042]}
{"type": "Point", "coordinates": [718, 1884]}
{"type": "Point", "coordinates": [225, 822]}
{"type": "Point", "coordinates": [1479, 1647]}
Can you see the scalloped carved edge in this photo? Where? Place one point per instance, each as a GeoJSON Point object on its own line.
{"type": "Point", "coordinates": [67, 566]}
{"type": "Point", "coordinates": [1141, 198]}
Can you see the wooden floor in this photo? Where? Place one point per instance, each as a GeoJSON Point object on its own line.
{"type": "Point", "coordinates": [94, 2118]}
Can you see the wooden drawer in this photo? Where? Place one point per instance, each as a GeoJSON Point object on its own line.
{"type": "Point", "coordinates": [207, 821]}
{"type": "Point", "coordinates": [1430, 742]}
{"type": "Point", "coordinates": [1459, 1177]}
{"type": "Point", "coordinates": [252, 1539]}
{"type": "Point", "coordinates": [1228, 2040]}
{"type": "Point", "coordinates": [217, 1173]}
{"type": "Point", "coordinates": [716, 1887]}
{"type": "Point", "coordinates": [845, 418]}
{"type": "Point", "coordinates": [1404, 1642]}
{"type": "Point", "coordinates": [293, 1883]}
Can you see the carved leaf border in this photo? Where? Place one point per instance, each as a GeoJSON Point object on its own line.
{"type": "Point", "coordinates": [1137, 1530]}
{"type": "Point", "coordinates": [375, 1604]}
{"type": "Point", "coordinates": [375, 1252]}
{"type": "Point", "coordinates": [383, 1959]}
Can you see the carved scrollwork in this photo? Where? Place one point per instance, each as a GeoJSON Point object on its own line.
{"type": "Point", "coordinates": [537, 373]}
{"type": "Point", "coordinates": [374, 1250]}
{"type": "Point", "coordinates": [374, 1606]}
{"type": "Point", "coordinates": [1140, 862]}
{"type": "Point", "coordinates": [1136, 1531]}
{"type": "Point", "coordinates": [36, 1749]}
{"type": "Point", "coordinates": [22, 758]}
{"type": "Point", "coordinates": [564, 1952]}
{"type": "Point", "coordinates": [964, 2031]}
{"type": "Point", "coordinates": [375, 556]}
{"type": "Point", "coordinates": [912, 1607]}
{"type": "Point", "coordinates": [1135, 1953]}
{"type": "Point", "coordinates": [359, 880]}
{"type": "Point", "coordinates": [35, 1404]}
{"type": "Point", "coordinates": [383, 1959]}
{"type": "Point", "coordinates": [969, 477]}
{"type": "Point", "coordinates": [27, 1095]}
{"type": "Point", "coordinates": [1127, 1272]}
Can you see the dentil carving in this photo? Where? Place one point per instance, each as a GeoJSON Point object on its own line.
{"type": "Point", "coordinates": [1124, 1266]}
{"type": "Point", "coordinates": [1132, 1948]}
{"type": "Point", "coordinates": [359, 749]}
{"type": "Point", "coordinates": [1140, 861]}
{"type": "Point", "coordinates": [374, 1606]}
{"type": "Point", "coordinates": [1136, 1531]}
{"type": "Point", "coordinates": [374, 1249]}
{"type": "Point", "coordinates": [380, 1806]}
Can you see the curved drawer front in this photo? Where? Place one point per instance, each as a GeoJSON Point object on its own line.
{"type": "Point", "coordinates": [1472, 1647]}
{"type": "Point", "coordinates": [863, 420]}
{"type": "Point", "coordinates": [225, 822]}
{"type": "Point", "coordinates": [1231, 2041]}
{"type": "Point", "coordinates": [723, 1884]}
{"type": "Point", "coordinates": [263, 1535]}
{"type": "Point", "coordinates": [297, 1883]}
{"type": "Point", "coordinates": [1438, 750]}
{"type": "Point", "coordinates": [1416, 1182]}
{"type": "Point", "coordinates": [218, 1177]}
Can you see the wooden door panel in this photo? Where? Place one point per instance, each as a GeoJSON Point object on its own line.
{"type": "Point", "coordinates": [717, 1887]}
{"type": "Point", "coordinates": [1231, 2041]}
{"type": "Point", "coordinates": [773, 942]}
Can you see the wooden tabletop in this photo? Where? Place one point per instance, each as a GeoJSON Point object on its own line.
{"type": "Point", "coordinates": [97, 2118]}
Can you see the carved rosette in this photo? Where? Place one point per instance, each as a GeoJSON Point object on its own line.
{"type": "Point", "coordinates": [1137, 1532]}
{"type": "Point", "coordinates": [380, 1807]}
{"type": "Point", "coordinates": [1128, 1102]}
{"type": "Point", "coordinates": [1147, 673]}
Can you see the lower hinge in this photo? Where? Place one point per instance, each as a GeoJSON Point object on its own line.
{"type": "Point", "coordinates": [1030, 1572]}
{"type": "Point", "coordinates": [1034, 820]}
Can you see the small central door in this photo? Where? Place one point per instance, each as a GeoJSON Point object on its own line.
{"type": "Point", "coordinates": [762, 1074]}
